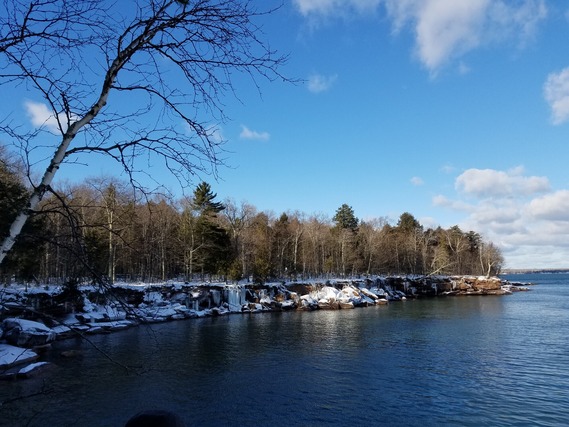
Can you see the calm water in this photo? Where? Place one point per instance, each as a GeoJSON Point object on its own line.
{"type": "Point", "coordinates": [465, 361]}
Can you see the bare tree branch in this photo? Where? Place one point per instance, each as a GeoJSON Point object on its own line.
{"type": "Point", "coordinates": [166, 63]}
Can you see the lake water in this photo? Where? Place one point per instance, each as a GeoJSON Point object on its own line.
{"type": "Point", "coordinates": [463, 361]}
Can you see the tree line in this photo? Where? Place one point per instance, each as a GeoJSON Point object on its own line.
{"type": "Point", "coordinates": [103, 229]}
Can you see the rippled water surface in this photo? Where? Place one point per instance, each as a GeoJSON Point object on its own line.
{"type": "Point", "coordinates": [466, 361]}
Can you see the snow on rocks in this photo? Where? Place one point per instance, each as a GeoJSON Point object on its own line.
{"type": "Point", "coordinates": [129, 304]}
{"type": "Point", "coordinates": [327, 298]}
{"type": "Point", "coordinates": [126, 305]}
{"type": "Point", "coordinates": [33, 370]}
{"type": "Point", "coordinates": [26, 333]}
{"type": "Point", "coordinates": [11, 355]}
{"type": "Point", "coordinates": [100, 313]}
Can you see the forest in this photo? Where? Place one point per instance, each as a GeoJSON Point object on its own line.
{"type": "Point", "coordinates": [102, 230]}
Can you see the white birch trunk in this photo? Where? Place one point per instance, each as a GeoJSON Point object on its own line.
{"type": "Point", "coordinates": [121, 59]}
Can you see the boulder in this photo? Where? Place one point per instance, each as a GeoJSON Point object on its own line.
{"type": "Point", "coordinates": [306, 302]}
{"type": "Point", "coordinates": [300, 288]}
{"type": "Point", "coordinates": [101, 314]}
{"type": "Point", "coordinates": [33, 369]}
{"type": "Point", "coordinates": [463, 286]}
{"type": "Point", "coordinates": [487, 283]}
{"type": "Point", "coordinates": [328, 304]}
{"type": "Point", "coordinates": [288, 305]}
{"type": "Point", "coordinates": [27, 333]}
{"type": "Point", "coordinates": [10, 356]}
{"type": "Point", "coordinates": [327, 293]}
{"type": "Point", "coordinates": [369, 294]}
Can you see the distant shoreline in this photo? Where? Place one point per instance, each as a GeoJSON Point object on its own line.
{"type": "Point", "coordinates": [534, 271]}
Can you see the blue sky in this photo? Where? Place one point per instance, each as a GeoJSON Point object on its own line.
{"type": "Point", "coordinates": [454, 111]}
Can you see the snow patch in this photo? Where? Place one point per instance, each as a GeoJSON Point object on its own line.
{"type": "Point", "coordinates": [11, 355]}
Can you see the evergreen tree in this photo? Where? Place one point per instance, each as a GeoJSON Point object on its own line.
{"type": "Point", "coordinates": [24, 259]}
{"type": "Point", "coordinates": [407, 223]}
{"type": "Point", "coordinates": [13, 196]}
{"type": "Point", "coordinates": [214, 247]}
{"type": "Point", "coordinates": [283, 240]}
{"type": "Point", "coordinates": [345, 231]}
{"type": "Point", "coordinates": [345, 218]}
{"type": "Point", "coordinates": [204, 202]}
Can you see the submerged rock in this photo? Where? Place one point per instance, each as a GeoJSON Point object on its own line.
{"type": "Point", "coordinates": [71, 353]}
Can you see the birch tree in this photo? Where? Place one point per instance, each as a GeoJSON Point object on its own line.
{"type": "Point", "coordinates": [491, 259]}
{"type": "Point", "coordinates": [139, 82]}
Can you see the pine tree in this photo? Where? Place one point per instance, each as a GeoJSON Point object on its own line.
{"type": "Point", "coordinates": [407, 223]}
{"type": "Point", "coordinates": [203, 201]}
{"type": "Point", "coordinates": [346, 231]}
{"type": "Point", "coordinates": [214, 247]}
{"type": "Point", "coordinates": [345, 218]}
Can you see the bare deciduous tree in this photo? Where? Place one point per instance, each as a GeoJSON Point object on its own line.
{"type": "Point", "coordinates": [140, 82]}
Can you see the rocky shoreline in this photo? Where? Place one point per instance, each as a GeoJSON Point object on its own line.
{"type": "Point", "coordinates": [35, 317]}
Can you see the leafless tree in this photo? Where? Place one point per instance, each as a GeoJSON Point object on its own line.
{"type": "Point", "coordinates": [371, 236]}
{"type": "Point", "coordinates": [140, 82]}
{"type": "Point", "coordinates": [238, 220]}
{"type": "Point", "coordinates": [491, 259]}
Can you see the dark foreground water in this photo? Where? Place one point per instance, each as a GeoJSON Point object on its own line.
{"type": "Point", "coordinates": [466, 361]}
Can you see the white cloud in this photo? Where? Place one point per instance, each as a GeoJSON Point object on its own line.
{"type": "Point", "coordinates": [318, 83]}
{"type": "Point", "coordinates": [306, 7]}
{"type": "Point", "coordinates": [41, 116]}
{"type": "Point", "coordinates": [428, 222]}
{"type": "Point", "coordinates": [556, 93]}
{"type": "Point", "coordinates": [417, 181]}
{"type": "Point", "coordinates": [521, 21]}
{"type": "Point", "coordinates": [456, 205]}
{"type": "Point", "coordinates": [448, 168]}
{"type": "Point", "coordinates": [554, 206]}
{"type": "Point", "coordinates": [215, 132]}
{"type": "Point", "coordinates": [446, 29]}
{"type": "Point", "coordinates": [252, 135]}
{"type": "Point", "coordinates": [490, 183]}
{"type": "Point", "coordinates": [334, 7]}
{"type": "Point", "coordinates": [486, 213]}
{"type": "Point", "coordinates": [518, 212]}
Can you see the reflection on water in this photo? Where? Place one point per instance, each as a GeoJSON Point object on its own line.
{"type": "Point", "coordinates": [460, 361]}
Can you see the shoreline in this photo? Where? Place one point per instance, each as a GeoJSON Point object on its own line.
{"type": "Point", "coordinates": [96, 311]}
